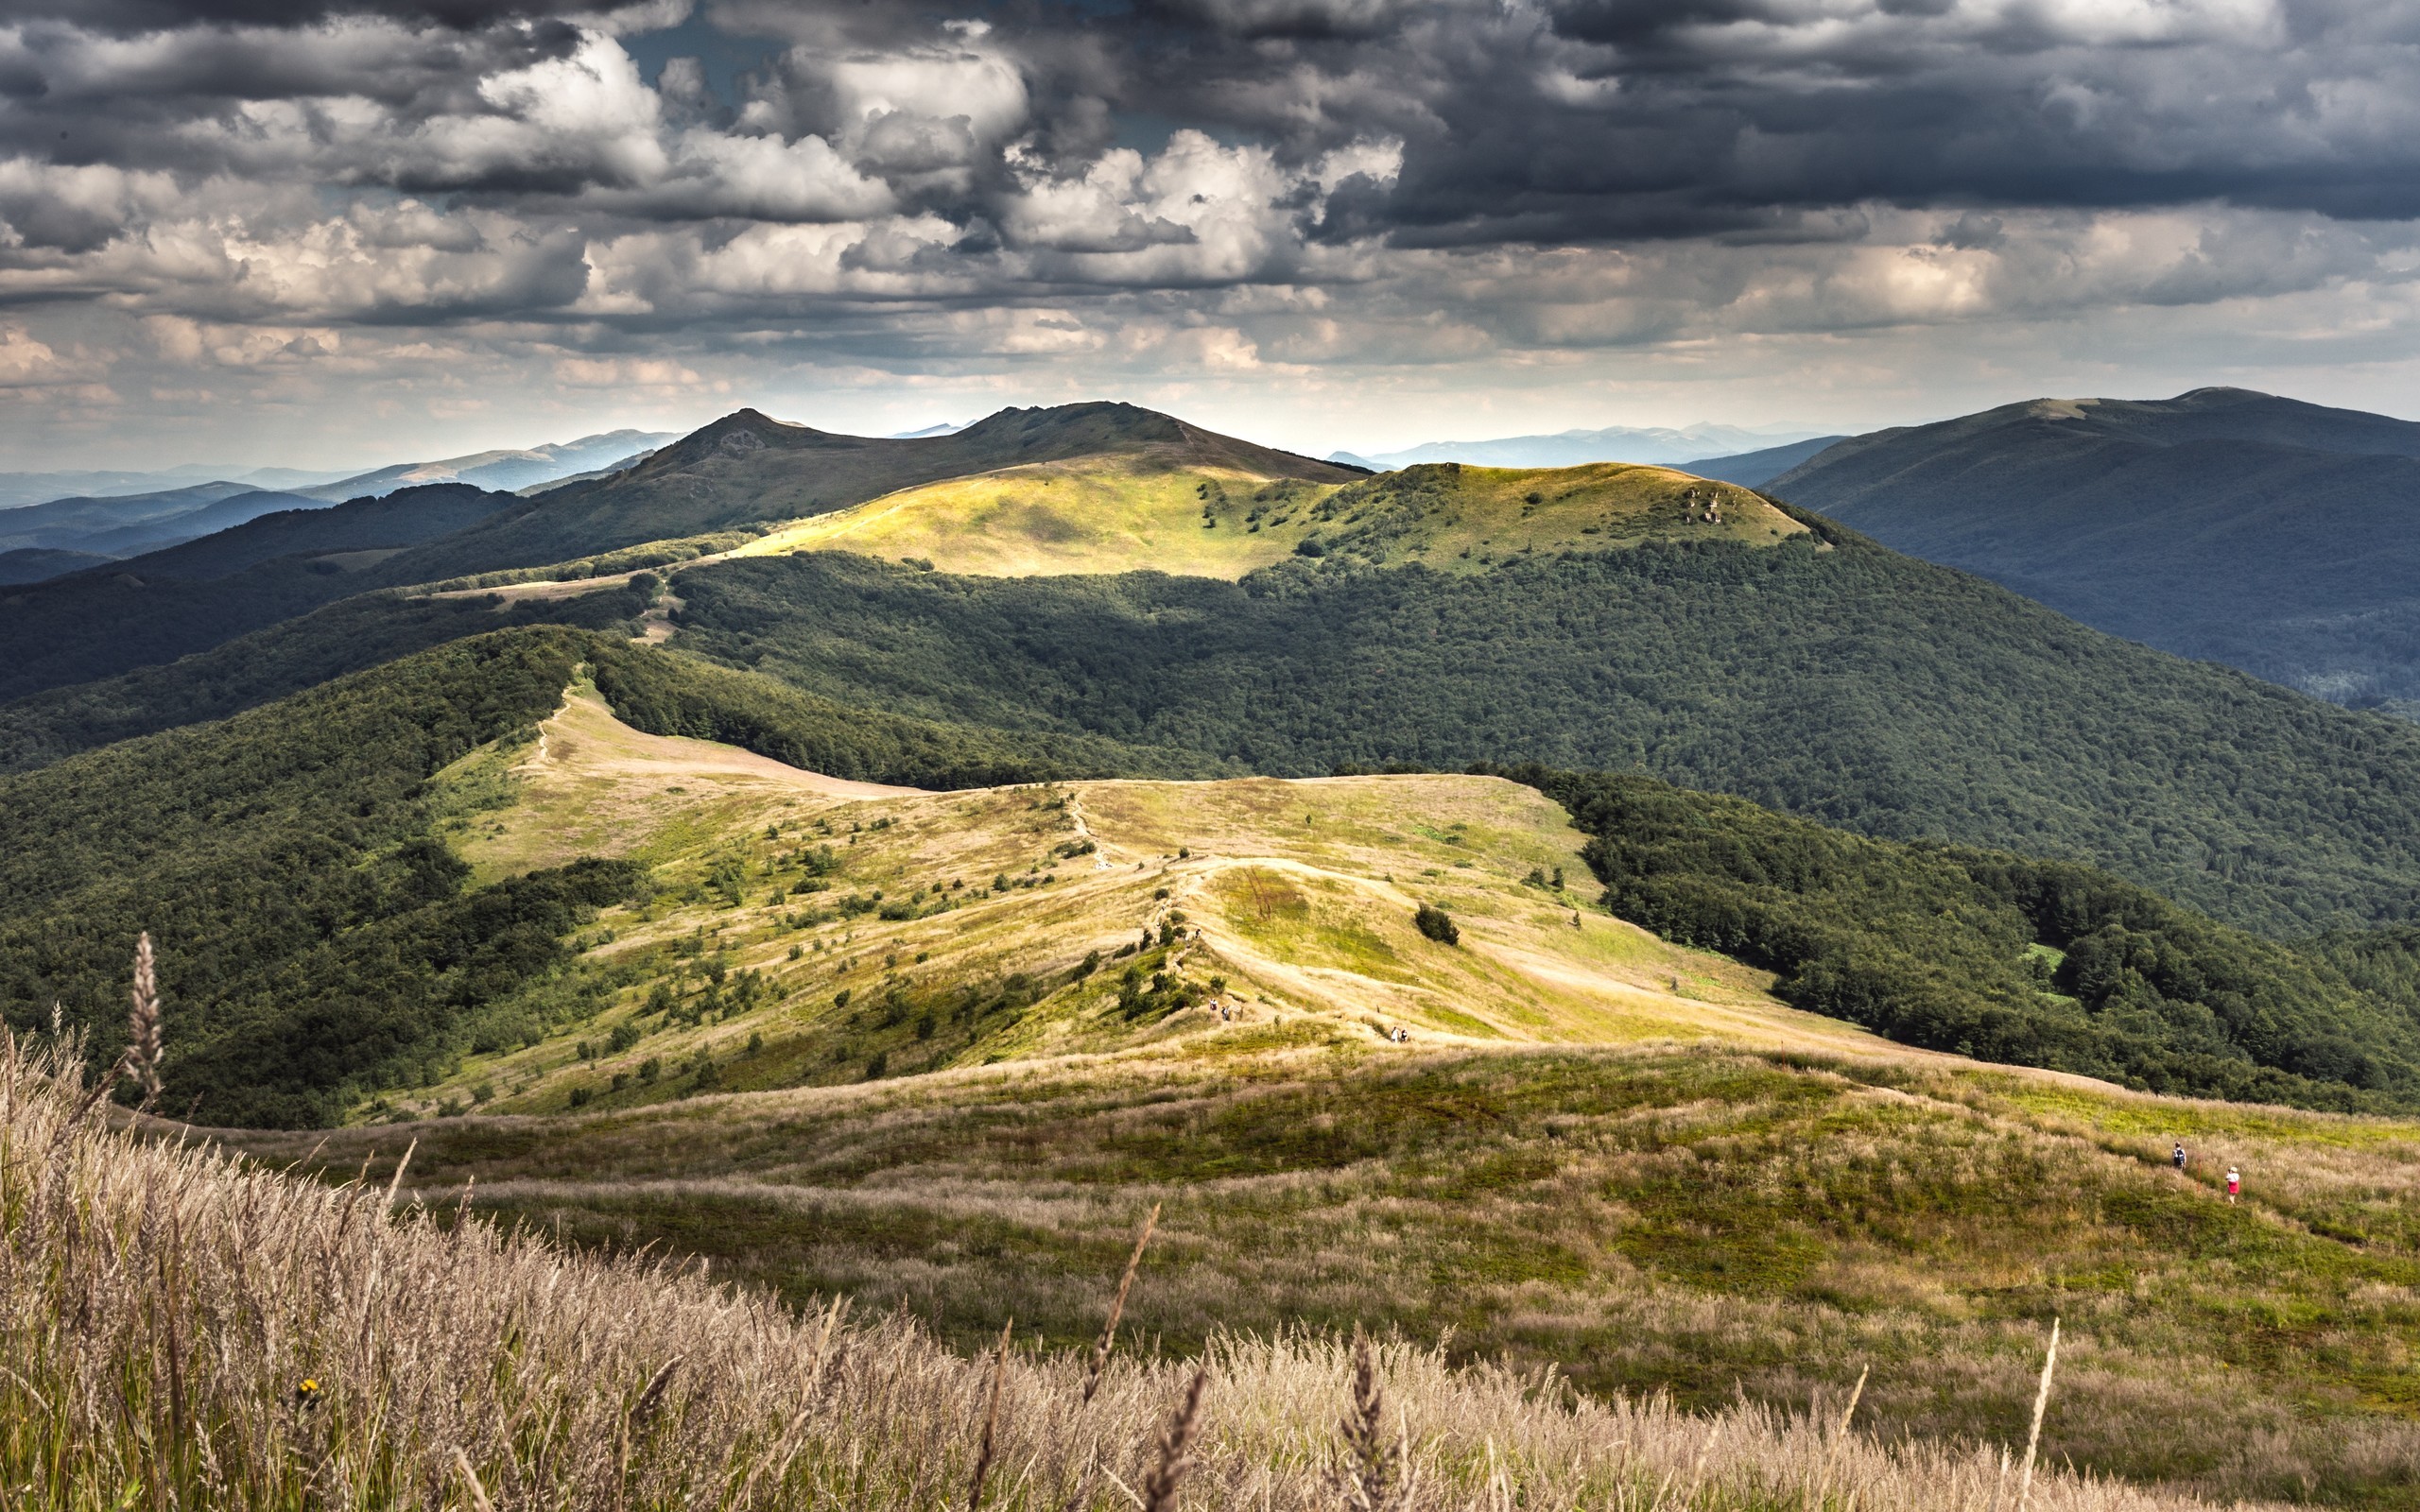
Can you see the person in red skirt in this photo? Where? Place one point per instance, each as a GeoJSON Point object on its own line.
{"type": "Point", "coordinates": [2234, 1183]}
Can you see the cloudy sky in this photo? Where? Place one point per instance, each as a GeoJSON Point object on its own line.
{"type": "Point", "coordinates": [291, 232]}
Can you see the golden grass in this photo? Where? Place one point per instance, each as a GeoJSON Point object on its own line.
{"type": "Point", "coordinates": [179, 1327]}
{"type": "Point", "coordinates": [1489, 514]}
{"type": "Point", "coordinates": [1090, 515]}
{"type": "Point", "coordinates": [1298, 895]}
{"type": "Point", "coordinates": [1114, 515]}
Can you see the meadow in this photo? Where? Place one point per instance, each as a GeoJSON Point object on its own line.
{"type": "Point", "coordinates": [183, 1328]}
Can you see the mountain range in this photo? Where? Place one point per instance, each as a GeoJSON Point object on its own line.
{"type": "Point", "coordinates": [61, 534]}
{"type": "Point", "coordinates": [1690, 920]}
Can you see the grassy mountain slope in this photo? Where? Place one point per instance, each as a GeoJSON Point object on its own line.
{"type": "Point", "coordinates": [804, 930]}
{"type": "Point", "coordinates": [1741, 1198]}
{"type": "Point", "coordinates": [163, 1356]}
{"type": "Point", "coordinates": [2222, 525]}
{"type": "Point", "coordinates": [745, 467]}
{"type": "Point", "coordinates": [1713, 1222]}
{"type": "Point", "coordinates": [146, 611]}
{"type": "Point", "coordinates": [1105, 515]}
{"type": "Point", "coordinates": [1851, 686]}
{"type": "Point", "coordinates": [1291, 899]}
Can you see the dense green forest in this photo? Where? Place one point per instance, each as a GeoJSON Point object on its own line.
{"type": "Point", "coordinates": [1985, 953]}
{"type": "Point", "coordinates": [673, 694]}
{"type": "Point", "coordinates": [1837, 680]}
{"type": "Point", "coordinates": [316, 937]}
{"type": "Point", "coordinates": [312, 932]}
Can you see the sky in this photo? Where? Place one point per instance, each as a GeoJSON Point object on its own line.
{"type": "Point", "coordinates": [311, 234]}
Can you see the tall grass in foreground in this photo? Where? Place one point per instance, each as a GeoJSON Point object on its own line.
{"type": "Point", "coordinates": [180, 1328]}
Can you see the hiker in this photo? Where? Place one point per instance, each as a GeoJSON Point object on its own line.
{"type": "Point", "coordinates": [2179, 1156]}
{"type": "Point", "coordinates": [2235, 1184]}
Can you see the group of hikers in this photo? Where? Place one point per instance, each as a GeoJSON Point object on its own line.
{"type": "Point", "coordinates": [2235, 1176]}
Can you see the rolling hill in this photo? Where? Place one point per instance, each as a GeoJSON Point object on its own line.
{"type": "Point", "coordinates": [289, 860]}
{"type": "Point", "coordinates": [2222, 525]}
{"type": "Point", "coordinates": [745, 467]}
{"type": "Point", "coordinates": [35, 564]}
{"type": "Point", "coordinates": [1102, 515]}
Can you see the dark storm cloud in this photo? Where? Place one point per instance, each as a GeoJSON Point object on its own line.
{"type": "Point", "coordinates": [1168, 185]}
{"type": "Point", "coordinates": [1610, 119]}
{"type": "Point", "coordinates": [1574, 120]}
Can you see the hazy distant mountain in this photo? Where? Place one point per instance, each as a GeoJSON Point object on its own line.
{"type": "Point", "coordinates": [1754, 469]}
{"type": "Point", "coordinates": [18, 489]}
{"type": "Point", "coordinates": [35, 564]}
{"type": "Point", "coordinates": [944, 428]}
{"type": "Point", "coordinates": [163, 604]}
{"type": "Point", "coordinates": [1572, 448]}
{"type": "Point", "coordinates": [2280, 537]}
{"type": "Point", "coordinates": [125, 526]}
{"type": "Point", "coordinates": [503, 471]}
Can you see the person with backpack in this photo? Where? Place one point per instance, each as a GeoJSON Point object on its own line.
{"type": "Point", "coordinates": [2179, 1157]}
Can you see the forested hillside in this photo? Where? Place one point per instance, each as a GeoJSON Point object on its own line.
{"type": "Point", "coordinates": [2272, 534]}
{"type": "Point", "coordinates": [1837, 680]}
{"type": "Point", "coordinates": [2004, 957]}
{"type": "Point", "coordinates": [314, 935]}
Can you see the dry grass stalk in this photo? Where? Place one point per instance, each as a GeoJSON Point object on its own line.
{"type": "Point", "coordinates": [472, 1484]}
{"type": "Point", "coordinates": [163, 1304]}
{"type": "Point", "coordinates": [1118, 1306]}
{"type": "Point", "coordinates": [142, 1039]}
{"type": "Point", "coordinates": [990, 1420]}
{"type": "Point", "coordinates": [1176, 1448]}
{"type": "Point", "coordinates": [2033, 1436]}
{"type": "Point", "coordinates": [1840, 1436]}
{"type": "Point", "coordinates": [1367, 1487]}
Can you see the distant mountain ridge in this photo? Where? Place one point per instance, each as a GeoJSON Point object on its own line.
{"type": "Point", "coordinates": [126, 524]}
{"type": "Point", "coordinates": [504, 469]}
{"type": "Point", "coordinates": [2271, 534]}
{"type": "Point", "coordinates": [1617, 443]}
{"type": "Point", "coordinates": [1754, 469]}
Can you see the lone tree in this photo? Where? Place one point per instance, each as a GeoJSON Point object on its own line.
{"type": "Point", "coordinates": [1437, 924]}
